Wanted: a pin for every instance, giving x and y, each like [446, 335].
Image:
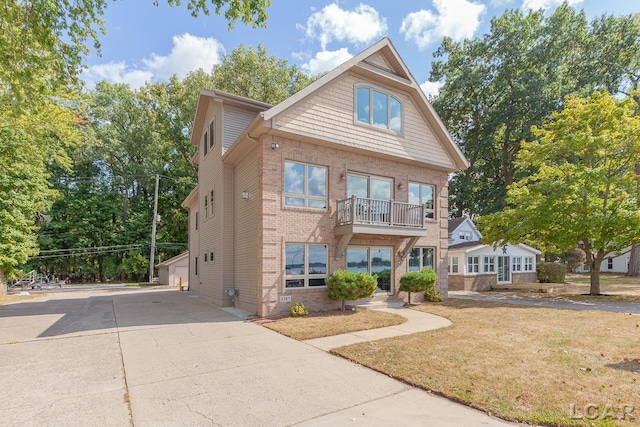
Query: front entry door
[504, 274]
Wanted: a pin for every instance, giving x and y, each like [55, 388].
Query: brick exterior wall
[530, 277]
[284, 224]
[477, 282]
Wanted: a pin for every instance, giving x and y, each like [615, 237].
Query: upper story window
[205, 143]
[378, 109]
[212, 139]
[464, 235]
[206, 207]
[422, 194]
[305, 185]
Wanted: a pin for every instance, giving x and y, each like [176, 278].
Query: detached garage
[171, 270]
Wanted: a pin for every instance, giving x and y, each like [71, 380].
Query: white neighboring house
[474, 266]
[619, 264]
[171, 270]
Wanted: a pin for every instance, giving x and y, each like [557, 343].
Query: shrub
[418, 281]
[346, 285]
[298, 309]
[551, 272]
[433, 295]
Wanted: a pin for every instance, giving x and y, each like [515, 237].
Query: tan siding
[236, 121]
[378, 59]
[246, 232]
[329, 114]
[194, 248]
[210, 177]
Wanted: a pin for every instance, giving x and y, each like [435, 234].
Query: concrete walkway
[149, 357]
[613, 307]
[417, 321]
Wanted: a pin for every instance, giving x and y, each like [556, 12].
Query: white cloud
[326, 60]
[431, 88]
[360, 26]
[458, 19]
[187, 54]
[115, 72]
[545, 4]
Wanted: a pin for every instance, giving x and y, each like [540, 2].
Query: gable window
[420, 258]
[489, 264]
[516, 263]
[305, 265]
[422, 194]
[453, 264]
[206, 143]
[528, 263]
[305, 185]
[464, 235]
[378, 109]
[206, 207]
[212, 139]
[473, 264]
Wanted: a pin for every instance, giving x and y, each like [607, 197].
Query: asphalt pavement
[159, 357]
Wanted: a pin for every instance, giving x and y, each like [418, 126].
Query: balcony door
[369, 187]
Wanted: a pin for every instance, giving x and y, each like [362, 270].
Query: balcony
[358, 215]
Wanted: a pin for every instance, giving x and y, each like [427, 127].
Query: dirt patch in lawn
[318, 325]
[10, 298]
[534, 365]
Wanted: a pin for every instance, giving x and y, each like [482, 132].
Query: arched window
[378, 109]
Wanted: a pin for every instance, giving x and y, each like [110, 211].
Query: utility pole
[153, 230]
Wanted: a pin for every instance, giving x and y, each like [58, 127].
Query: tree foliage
[500, 85]
[418, 281]
[346, 285]
[254, 74]
[583, 189]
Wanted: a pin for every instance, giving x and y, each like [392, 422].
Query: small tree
[346, 285]
[418, 281]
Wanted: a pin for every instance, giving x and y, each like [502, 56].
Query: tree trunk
[634, 261]
[3, 285]
[595, 274]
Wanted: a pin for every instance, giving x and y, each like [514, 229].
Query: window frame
[451, 264]
[528, 263]
[212, 140]
[206, 143]
[212, 195]
[307, 276]
[206, 207]
[305, 195]
[516, 264]
[473, 266]
[196, 220]
[389, 96]
[421, 258]
[488, 264]
[428, 213]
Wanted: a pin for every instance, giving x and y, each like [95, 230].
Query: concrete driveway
[612, 307]
[163, 358]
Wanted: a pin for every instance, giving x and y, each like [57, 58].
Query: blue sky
[148, 43]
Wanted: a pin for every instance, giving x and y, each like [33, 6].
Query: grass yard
[318, 325]
[526, 364]
[616, 287]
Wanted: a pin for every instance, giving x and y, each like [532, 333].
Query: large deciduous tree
[583, 189]
[496, 87]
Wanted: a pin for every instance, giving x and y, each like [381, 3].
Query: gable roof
[455, 222]
[362, 63]
[174, 259]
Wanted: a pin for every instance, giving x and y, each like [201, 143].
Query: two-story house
[348, 173]
[474, 266]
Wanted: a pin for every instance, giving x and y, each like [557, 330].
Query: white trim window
[473, 264]
[464, 235]
[305, 185]
[528, 263]
[423, 194]
[452, 265]
[378, 109]
[420, 258]
[212, 194]
[489, 264]
[206, 207]
[212, 140]
[305, 265]
[516, 264]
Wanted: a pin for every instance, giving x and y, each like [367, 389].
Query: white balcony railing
[359, 210]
